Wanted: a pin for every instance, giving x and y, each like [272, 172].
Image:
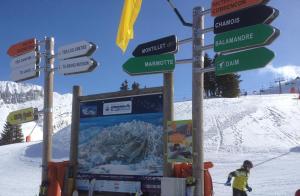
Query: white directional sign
[77, 65]
[82, 48]
[25, 59]
[24, 73]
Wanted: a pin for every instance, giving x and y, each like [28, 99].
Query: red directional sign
[221, 7]
[22, 47]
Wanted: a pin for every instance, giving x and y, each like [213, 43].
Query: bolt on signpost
[25, 66]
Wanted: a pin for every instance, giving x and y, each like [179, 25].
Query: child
[240, 182]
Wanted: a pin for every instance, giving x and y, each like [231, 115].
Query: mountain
[16, 96]
[13, 93]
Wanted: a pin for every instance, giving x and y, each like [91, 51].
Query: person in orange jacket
[240, 182]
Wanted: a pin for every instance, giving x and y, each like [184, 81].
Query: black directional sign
[159, 46]
[260, 14]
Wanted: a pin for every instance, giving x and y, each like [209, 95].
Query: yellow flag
[130, 12]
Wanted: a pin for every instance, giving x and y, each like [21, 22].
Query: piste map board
[120, 140]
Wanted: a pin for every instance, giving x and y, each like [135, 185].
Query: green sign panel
[241, 61]
[150, 64]
[247, 37]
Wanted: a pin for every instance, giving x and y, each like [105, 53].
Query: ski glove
[249, 188]
[228, 183]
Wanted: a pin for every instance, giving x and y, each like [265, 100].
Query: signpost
[82, 48]
[29, 58]
[22, 47]
[25, 72]
[77, 65]
[221, 7]
[159, 46]
[25, 65]
[247, 37]
[150, 64]
[22, 116]
[252, 35]
[260, 14]
[241, 61]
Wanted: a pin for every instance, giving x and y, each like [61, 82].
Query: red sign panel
[221, 7]
[22, 47]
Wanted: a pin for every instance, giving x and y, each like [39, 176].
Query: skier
[240, 182]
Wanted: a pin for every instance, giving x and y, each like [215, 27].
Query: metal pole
[197, 100]
[168, 94]
[48, 109]
[74, 139]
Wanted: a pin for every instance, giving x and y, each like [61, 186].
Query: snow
[61, 109]
[264, 129]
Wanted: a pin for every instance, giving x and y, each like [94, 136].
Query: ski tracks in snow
[224, 124]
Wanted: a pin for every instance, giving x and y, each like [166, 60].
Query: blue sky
[70, 21]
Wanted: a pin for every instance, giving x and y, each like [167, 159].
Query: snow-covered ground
[264, 129]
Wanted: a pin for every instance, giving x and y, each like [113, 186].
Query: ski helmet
[248, 164]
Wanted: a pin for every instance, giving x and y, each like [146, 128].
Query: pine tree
[6, 135]
[18, 135]
[124, 86]
[11, 134]
[228, 85]
[210, 84]
[135, 86]
[224, 86]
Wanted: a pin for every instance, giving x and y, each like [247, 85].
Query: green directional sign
[247, 37]
[241, 61]
[150, 64]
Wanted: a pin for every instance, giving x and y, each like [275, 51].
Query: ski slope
[264, 129]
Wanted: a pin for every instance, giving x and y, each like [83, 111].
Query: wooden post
[197, 96]
[48, 112]
[74, 139]
[168, 92]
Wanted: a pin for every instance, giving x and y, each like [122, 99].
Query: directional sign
[29, 58]
[160, 46]
[221, 7]
[82, 48]
[247, 17]
[241, 61]
[22, 47]
[25, 72]
[22, 116]
[150, 64]
[247, 37]
[77, 65]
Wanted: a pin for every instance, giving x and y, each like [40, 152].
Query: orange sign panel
[22, 47]
[221, 7]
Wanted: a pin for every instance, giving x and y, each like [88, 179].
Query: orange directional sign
[221, 7]
[22, 47]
